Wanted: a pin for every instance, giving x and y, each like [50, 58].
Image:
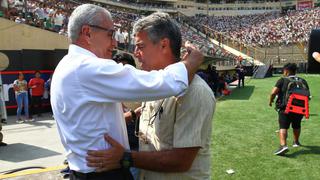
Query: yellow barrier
[32, 171]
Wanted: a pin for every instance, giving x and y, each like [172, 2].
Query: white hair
[85, 14]
[158, 26]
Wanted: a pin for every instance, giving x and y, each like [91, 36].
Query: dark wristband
[126, 161]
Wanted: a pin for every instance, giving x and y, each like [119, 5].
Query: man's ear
[165, 44]
[85, 32]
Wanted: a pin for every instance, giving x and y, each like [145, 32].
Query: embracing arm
[112, 82]
[174, 160]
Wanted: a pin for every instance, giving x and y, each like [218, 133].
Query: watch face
[126, 163]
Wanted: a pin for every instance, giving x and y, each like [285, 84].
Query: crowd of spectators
[204, 44]
[265, 29]
[53, 15]
[238, 1]
[47, 14]
[137, 3]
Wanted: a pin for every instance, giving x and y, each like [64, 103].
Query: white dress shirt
[86, 92]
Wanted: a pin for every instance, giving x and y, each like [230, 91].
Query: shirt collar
[75, 49]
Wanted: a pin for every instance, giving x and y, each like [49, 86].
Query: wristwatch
[126, 161]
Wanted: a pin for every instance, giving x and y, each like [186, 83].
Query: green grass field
[244, 136]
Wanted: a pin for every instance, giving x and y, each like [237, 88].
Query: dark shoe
[65, 162]
[66, 176]
[3, 144]
[282, 150]
[296, 144]
[65, 170]
[4, 121]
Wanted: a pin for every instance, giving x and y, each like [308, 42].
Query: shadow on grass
[306, 150]
[240, 93]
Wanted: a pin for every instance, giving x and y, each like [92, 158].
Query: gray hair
[158, 26]
[85, 14]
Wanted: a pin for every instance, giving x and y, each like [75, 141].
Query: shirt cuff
[180, 73]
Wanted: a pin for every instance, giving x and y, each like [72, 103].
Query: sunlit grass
[244, 136]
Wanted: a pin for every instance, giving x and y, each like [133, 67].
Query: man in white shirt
[88, 87]
[18, 4]
[58, 21]
[126, 38]
[121, 40]
[175, 132]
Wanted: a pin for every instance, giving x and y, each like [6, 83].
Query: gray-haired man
[88, 87]
[175, 133]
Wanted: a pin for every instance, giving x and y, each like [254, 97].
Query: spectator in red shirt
[37, 89]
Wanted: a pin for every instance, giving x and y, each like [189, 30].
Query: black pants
[36, 105]
[241, 78]
[117, 174]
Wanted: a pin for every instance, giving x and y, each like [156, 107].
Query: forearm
[162, 161]
[271, 99]
[191, 71]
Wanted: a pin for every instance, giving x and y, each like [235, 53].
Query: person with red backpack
[284, 87]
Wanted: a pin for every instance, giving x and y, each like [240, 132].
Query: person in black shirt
[289, 71]
[241, 73]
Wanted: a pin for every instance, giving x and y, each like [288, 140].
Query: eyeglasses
[113, 35]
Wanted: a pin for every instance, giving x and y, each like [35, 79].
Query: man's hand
[316, 56]
[138, 111]
[192, 59]
[194, 56]
[270, 103]
[273, 94]
[105, 160]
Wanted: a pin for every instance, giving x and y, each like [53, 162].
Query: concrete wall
[14, 36]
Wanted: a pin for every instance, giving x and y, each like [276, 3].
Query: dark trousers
[117, 174]
[241, 78]
[36, 105]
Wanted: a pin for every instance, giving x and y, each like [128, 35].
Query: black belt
[121, 174]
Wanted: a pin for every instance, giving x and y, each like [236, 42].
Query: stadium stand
[264, 29]
[259, 31]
